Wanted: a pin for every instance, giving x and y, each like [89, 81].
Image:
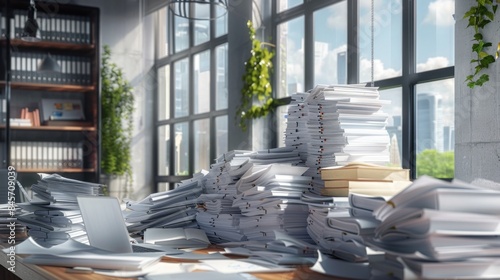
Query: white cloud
[433, 63]
[379, 72]
[440, 13]
[338, 19]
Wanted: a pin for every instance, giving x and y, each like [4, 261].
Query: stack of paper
[9, 225]
[344, 123]
[53, 215]
[296, 134]
[364, 178]
[169, 209]
[340, 234]
[269, 200]
[442, 229]
[217, 216]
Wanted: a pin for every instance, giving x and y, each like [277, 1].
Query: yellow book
[344, 188]
[365, 171]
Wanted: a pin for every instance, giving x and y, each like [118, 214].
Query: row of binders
[47, 155]
[53, 27]
[75, 70]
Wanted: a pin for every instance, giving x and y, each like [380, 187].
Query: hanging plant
[256, 94]
[478, 17]
[117, 108]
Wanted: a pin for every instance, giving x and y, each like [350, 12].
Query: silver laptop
[106, 227]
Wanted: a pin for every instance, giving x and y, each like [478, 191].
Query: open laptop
[106, 227]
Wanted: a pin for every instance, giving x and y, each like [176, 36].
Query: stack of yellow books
[364, 178]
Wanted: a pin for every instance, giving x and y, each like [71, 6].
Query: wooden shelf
[54, 128]
[55, 170]
[48, 45]
[50, 87]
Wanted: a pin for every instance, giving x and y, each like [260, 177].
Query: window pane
[394, 129]
[221, 77]
[221, 22]
[387, 39]
[163, 187]
[201, 82]
[221, 145]
[202, 145]
[435, 34]
[164, 92]
[290, 68]
[287, 4]
[435, 128]
[330, 45]
[162, 34]
[181, 164]
[201, 30]
[181, 33]
[181, 84]
[163, 150]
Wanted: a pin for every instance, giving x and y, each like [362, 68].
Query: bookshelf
[56, 142]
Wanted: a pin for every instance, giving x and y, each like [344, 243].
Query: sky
[434, 45]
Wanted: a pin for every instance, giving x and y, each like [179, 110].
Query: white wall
[129, 33]
[477, 111]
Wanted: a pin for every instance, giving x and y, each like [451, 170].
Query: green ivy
[117, 108]
[256, 94]
[478, 17]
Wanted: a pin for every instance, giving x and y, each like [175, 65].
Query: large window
[192, 108]
[411, 50]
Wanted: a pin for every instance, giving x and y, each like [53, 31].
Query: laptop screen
[104, 223]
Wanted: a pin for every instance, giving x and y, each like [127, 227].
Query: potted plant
[117, 108]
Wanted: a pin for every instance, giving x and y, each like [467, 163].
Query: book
[365, 171]
[390, 190]
[361, 184]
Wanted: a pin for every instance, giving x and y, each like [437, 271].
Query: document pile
[442, 229]
[269, 199]
[217, 216]
[169, 209]
[10, 228]
[341, 231]
[54, 215]
[344, 123]
[364, 178]
[223, 217]
[282, 250]
[296, 134]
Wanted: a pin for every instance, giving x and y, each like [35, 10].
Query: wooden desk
[34, 272]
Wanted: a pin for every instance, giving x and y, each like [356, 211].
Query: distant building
[342, 67]
[429, 123]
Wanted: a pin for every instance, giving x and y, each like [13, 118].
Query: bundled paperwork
[53, 215]
[442, 229]
[169, 209]
[335, 125]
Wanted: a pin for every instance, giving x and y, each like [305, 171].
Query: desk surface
[30, 272]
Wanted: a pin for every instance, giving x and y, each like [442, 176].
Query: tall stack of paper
[344, 123]
[364, 178]
[296, 134]
[443, 229]
[169, 209]
[53, 215]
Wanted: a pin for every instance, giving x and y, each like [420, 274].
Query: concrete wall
[477, 125]
[129, 33]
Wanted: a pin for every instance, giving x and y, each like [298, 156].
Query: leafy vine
[256, 94]
[478, 17]
[117, 107]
